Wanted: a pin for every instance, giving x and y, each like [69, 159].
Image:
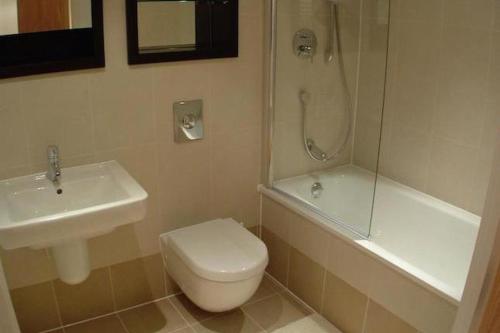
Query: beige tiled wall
[356, 292]
[441, 114]
[125, 113]
[371, 82]
[326, 115]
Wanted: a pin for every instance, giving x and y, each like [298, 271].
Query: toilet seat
[220, 250]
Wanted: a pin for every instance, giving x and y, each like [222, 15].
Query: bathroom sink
[88, 201]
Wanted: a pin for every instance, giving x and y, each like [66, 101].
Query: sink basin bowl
[93, 200]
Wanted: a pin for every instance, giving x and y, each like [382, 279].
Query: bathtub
[427, 239]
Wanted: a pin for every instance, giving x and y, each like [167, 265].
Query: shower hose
[310, 146]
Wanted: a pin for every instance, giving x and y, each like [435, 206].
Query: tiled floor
[271, 309]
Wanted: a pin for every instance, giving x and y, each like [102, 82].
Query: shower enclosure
[381, 128]
[328, 78]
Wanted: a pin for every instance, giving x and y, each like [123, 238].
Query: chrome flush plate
[188, 121]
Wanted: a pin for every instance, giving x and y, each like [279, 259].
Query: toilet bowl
[218, 264]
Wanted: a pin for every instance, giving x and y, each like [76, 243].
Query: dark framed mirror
[50, 36]
[173, 30]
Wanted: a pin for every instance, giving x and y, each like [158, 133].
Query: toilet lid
[219, 250]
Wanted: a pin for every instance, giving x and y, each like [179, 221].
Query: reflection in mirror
[166, 25]
[27, 16]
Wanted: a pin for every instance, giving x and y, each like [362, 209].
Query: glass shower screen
[329, 67]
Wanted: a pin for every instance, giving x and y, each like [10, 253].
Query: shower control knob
[304, 43]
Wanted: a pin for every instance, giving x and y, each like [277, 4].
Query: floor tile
[232, 322]
[266, 289]
[310, 324]
[36, 308]
[158, 317]
[189, 311]
[85, 300]
[185, 330]
[110, 324]
[276, 311]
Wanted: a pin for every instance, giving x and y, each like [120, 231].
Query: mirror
[50, 36]
[166, 25]
[28, 16]
[170, 30]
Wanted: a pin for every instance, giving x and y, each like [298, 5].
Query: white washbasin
[95, 199]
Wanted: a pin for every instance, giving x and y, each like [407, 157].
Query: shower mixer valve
[305, 44]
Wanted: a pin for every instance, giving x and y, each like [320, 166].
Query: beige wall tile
[452, 172]
[185, 168]
[136, 288]
[349, 264]
[440, 93]
[102, 325]
[429, 10]
[417, 306]
[279, 256]
[108, 249]
[469, 13]
[406, 157]
[36, 308]
[343, 305]
[379, 320]
[120, 121]
[160, 317]
[86, 300]
[276, 218]
[497, 16]
[275, 312]
[308, 238]
[306, 279]
[13, 139]
[48, 103]
[234, 193]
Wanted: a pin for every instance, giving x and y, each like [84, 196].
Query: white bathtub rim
[416, 275]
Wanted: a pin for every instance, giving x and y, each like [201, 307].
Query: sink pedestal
[72, 261]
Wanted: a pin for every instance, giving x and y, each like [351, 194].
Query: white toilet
[218, 264]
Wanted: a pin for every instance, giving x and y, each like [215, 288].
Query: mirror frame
[57, 50]
[135, 57]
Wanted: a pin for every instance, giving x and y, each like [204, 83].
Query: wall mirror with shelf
[50, 36]
[173, 30]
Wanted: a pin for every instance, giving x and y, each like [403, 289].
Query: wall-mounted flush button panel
[188, 121]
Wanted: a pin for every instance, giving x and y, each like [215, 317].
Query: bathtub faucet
[316, 190]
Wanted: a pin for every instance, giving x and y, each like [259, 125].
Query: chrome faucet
[54, 171]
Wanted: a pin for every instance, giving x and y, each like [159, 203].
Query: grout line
[58, 308]
[90, 319]
[295, 297]
[116, 312]
[181, 315]
[122, 323]
[115, 307]
[323, 291]
[365, 316]
[252, 319]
